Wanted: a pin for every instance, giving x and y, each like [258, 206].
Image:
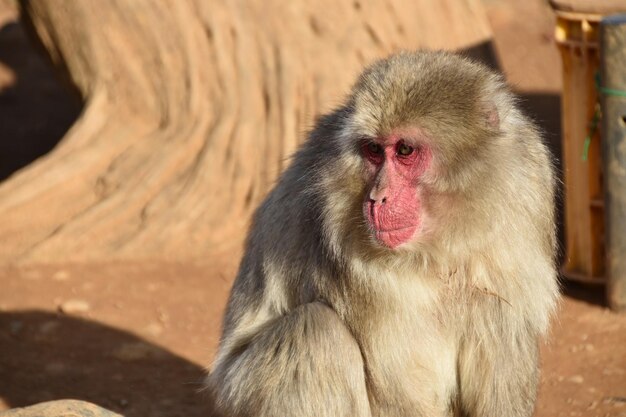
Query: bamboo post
[612, 90]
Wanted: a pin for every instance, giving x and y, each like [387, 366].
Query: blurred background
[136, 139]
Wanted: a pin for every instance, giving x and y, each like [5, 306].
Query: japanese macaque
[403, 266]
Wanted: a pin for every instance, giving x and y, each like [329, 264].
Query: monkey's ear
[492, 117]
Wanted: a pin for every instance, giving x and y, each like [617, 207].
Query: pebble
[61, 275]
[55, 368]
[577, 379]
[48, 327]
[136, 351]
[15, 326]
[163, 316]
[88, 286]
[616, 401]
[68, 408]
[74, 306]
[154, 329]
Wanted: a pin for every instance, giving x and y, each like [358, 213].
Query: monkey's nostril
[384, 200]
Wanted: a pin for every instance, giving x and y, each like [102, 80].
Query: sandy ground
[136, 337]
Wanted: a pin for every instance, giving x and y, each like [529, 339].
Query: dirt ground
[135, 337]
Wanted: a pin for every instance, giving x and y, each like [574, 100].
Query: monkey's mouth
[398, 229]
[389, 225]
[392, 238]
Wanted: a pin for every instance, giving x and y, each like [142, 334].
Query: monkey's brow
[365, 137]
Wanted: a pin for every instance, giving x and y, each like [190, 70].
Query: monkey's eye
[405, 150]
[374, 148]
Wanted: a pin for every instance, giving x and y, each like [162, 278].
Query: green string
[593, 125]
[593, 128]
[607, 91]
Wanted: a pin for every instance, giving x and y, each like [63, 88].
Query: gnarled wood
[191, 109]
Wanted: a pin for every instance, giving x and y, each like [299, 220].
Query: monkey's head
[421, 132]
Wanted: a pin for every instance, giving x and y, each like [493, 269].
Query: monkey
[404, 263]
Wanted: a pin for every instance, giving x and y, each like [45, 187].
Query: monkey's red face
[392, 204]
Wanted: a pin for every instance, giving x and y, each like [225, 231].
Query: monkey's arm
[305, 363]
[498, 370]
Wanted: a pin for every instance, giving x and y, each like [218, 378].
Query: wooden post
[613, 101]
[576, 35]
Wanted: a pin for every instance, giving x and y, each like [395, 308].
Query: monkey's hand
[305, 363]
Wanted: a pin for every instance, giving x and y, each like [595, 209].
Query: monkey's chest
[410, 364]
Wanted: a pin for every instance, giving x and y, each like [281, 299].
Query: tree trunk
[191, 110]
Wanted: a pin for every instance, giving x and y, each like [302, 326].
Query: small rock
[154, 329]
[88, 286]
[616, 401]
[66, 408]
[163, 316]
[612, 371]
[48, 327]
[61, 275]
[74, 306]
[577, 379]
[136, 351]
[166, 402]
[55, 368]
[15, 326]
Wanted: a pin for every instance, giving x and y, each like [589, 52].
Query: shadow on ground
[46, 356]
[594, 294]
[36, 110]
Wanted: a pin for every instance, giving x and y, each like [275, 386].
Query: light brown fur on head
[485, 150]
[324, 320]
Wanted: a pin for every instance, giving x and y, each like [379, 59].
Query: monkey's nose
[378, 195]
[377, 198]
